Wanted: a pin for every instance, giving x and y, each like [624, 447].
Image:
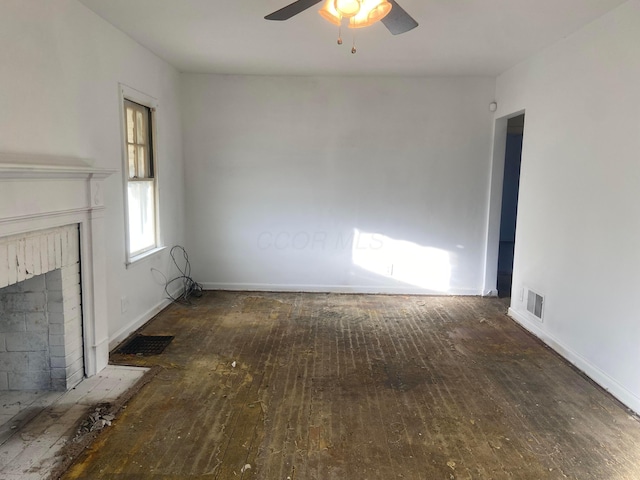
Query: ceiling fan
[392, 15]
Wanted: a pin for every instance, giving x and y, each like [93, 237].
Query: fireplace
[41, 317]
[53, 324]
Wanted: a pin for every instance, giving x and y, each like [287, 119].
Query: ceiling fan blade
[290, 10]
[398, 20]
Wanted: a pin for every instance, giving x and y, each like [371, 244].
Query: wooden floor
[315, 386]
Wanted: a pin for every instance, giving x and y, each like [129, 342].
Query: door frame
[490, 286]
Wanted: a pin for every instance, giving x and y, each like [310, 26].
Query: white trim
[141, 256]
[14, 166]
[137, 96]
[366, 289]
[596, 374]
[38, 216]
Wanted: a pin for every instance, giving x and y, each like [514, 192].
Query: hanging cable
[189, 286]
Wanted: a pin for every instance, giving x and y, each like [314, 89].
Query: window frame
[140, 98]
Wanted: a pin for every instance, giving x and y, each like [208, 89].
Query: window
[140, 178]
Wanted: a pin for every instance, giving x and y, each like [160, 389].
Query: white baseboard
[383, 290]
[124, 332]
[593, 372]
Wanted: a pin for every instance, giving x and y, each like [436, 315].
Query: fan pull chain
[353, 47]
[340, 35]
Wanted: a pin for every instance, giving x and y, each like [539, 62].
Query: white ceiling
[455, 37]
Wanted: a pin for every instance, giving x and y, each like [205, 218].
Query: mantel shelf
[13, 166]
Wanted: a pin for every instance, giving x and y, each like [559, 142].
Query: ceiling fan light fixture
[370, 12]
[348, 8]
[362, 12]
[330, 13]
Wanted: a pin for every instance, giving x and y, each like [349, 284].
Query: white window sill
[141, 256]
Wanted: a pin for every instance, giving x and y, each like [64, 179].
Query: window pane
[132, 160]
[141, 128]
[142, 162]
[130, 125]
[141, 217]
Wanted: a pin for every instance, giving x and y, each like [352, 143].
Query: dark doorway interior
[510, 188]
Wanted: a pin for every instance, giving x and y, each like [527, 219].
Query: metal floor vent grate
[146, 345]
[535, 303]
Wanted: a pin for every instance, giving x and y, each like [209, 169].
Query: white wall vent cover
[535, 303]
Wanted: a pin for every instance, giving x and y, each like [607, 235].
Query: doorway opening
[509, 204]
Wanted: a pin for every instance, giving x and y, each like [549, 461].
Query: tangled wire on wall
[189, 288]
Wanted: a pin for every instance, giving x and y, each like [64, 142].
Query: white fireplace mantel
[39, 192]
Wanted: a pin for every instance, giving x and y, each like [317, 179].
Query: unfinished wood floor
[360, 387]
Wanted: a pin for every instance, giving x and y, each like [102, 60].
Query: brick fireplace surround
[40, 317]
[53, 323]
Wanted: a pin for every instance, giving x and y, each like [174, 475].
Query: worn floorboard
[360, 387]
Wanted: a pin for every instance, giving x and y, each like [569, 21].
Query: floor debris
[95, 421]
[359, 387]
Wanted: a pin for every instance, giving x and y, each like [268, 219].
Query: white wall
[60, 66]
[282, 170]
[578, 232]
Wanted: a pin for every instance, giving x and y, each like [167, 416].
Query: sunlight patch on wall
[408, 262]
